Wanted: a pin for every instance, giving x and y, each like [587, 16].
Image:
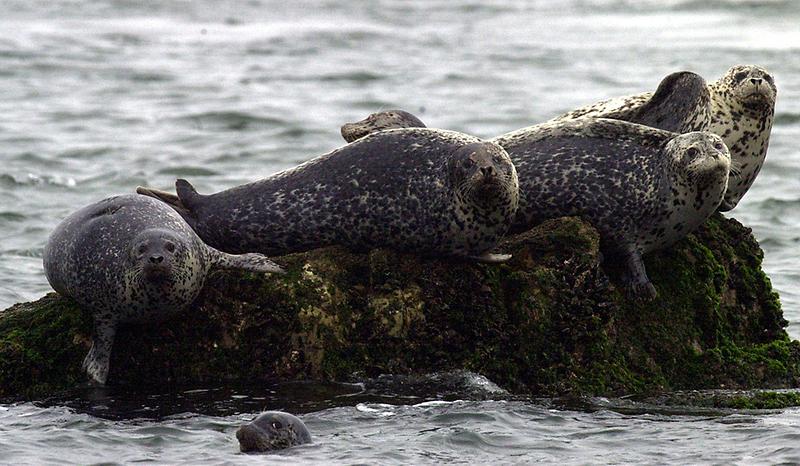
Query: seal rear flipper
[674, 102]
[165, 197]
[251, 261]
[97, 362]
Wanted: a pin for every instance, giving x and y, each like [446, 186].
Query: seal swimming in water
[131, 258]
[429, 191]
[741, 109]
[272, 430]
[641, 187]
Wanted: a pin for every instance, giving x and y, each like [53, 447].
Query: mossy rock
[548, 322]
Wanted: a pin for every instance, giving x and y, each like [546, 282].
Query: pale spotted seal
[422, 190]
[641, 187]
[388, 119]
[741, 107]
[272, 430]
[131, 259]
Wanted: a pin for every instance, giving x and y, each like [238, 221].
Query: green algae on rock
[548, 322]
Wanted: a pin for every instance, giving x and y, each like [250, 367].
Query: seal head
[379, 121]
[272, 430]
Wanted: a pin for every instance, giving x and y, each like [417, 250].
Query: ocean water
[98, 97]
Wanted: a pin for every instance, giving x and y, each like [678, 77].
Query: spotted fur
[641, 187]
[740, 107]
[131, 259]
[389, 119]
[272, 430]
[424, 190]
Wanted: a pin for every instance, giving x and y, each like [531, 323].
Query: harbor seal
[641, 187]
[272, 430]
[741, 109]
[388, 119]
[131, 258]
[422, 190]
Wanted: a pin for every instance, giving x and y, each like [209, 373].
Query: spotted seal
[388, 119]
[131, 258]
[272, 430]
[423, 190]
[740, 107]
[641, 187]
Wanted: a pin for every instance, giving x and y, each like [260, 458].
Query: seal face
[424, 190]
[740, 107]
[378, 121]
[272, 430]
[131, 259]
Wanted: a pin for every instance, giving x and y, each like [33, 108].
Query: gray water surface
[97, 97]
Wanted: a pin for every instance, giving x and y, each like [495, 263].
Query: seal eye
[692, 152]
[468, 163]
[276, 425]
[141, 249]
[718, 146]
[738, 77]
[768, 78]
[170, 247]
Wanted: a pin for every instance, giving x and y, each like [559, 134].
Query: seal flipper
[489, 258]
[165, 197]
[251, 261]
[677, 98]
[97, 362]
[637, 284]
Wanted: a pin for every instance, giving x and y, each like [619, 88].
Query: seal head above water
[131, 259]
[272, 430]
[378, 121]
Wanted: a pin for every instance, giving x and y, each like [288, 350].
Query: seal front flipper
[675, 106]
[97, 362]
[379, 121]
[250, 261]
[489, 258]
[637, 284]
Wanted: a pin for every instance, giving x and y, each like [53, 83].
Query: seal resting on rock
[272, 430]
[429, 191]
[389, 119]
[131, 259]
[740, 108]
[641, 187]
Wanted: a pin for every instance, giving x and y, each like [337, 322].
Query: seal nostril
[755, 80]
[487, 171]
[156, 259]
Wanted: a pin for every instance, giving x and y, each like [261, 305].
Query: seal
[429, 191]
[128, 259]
[641, 187]
[740, 108]
[272, 430]
[389, 119]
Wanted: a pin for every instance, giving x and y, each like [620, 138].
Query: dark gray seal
[740, 108]
[388, 119]
[272, 430]
[131, 259]
[641, 187]
[422, 190]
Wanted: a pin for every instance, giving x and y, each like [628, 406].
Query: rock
[549, 322]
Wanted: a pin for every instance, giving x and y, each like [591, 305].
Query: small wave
[788, 119]
[231, 121]
[187, 171]
[12, 217]
[354, 76]
[32, 179]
